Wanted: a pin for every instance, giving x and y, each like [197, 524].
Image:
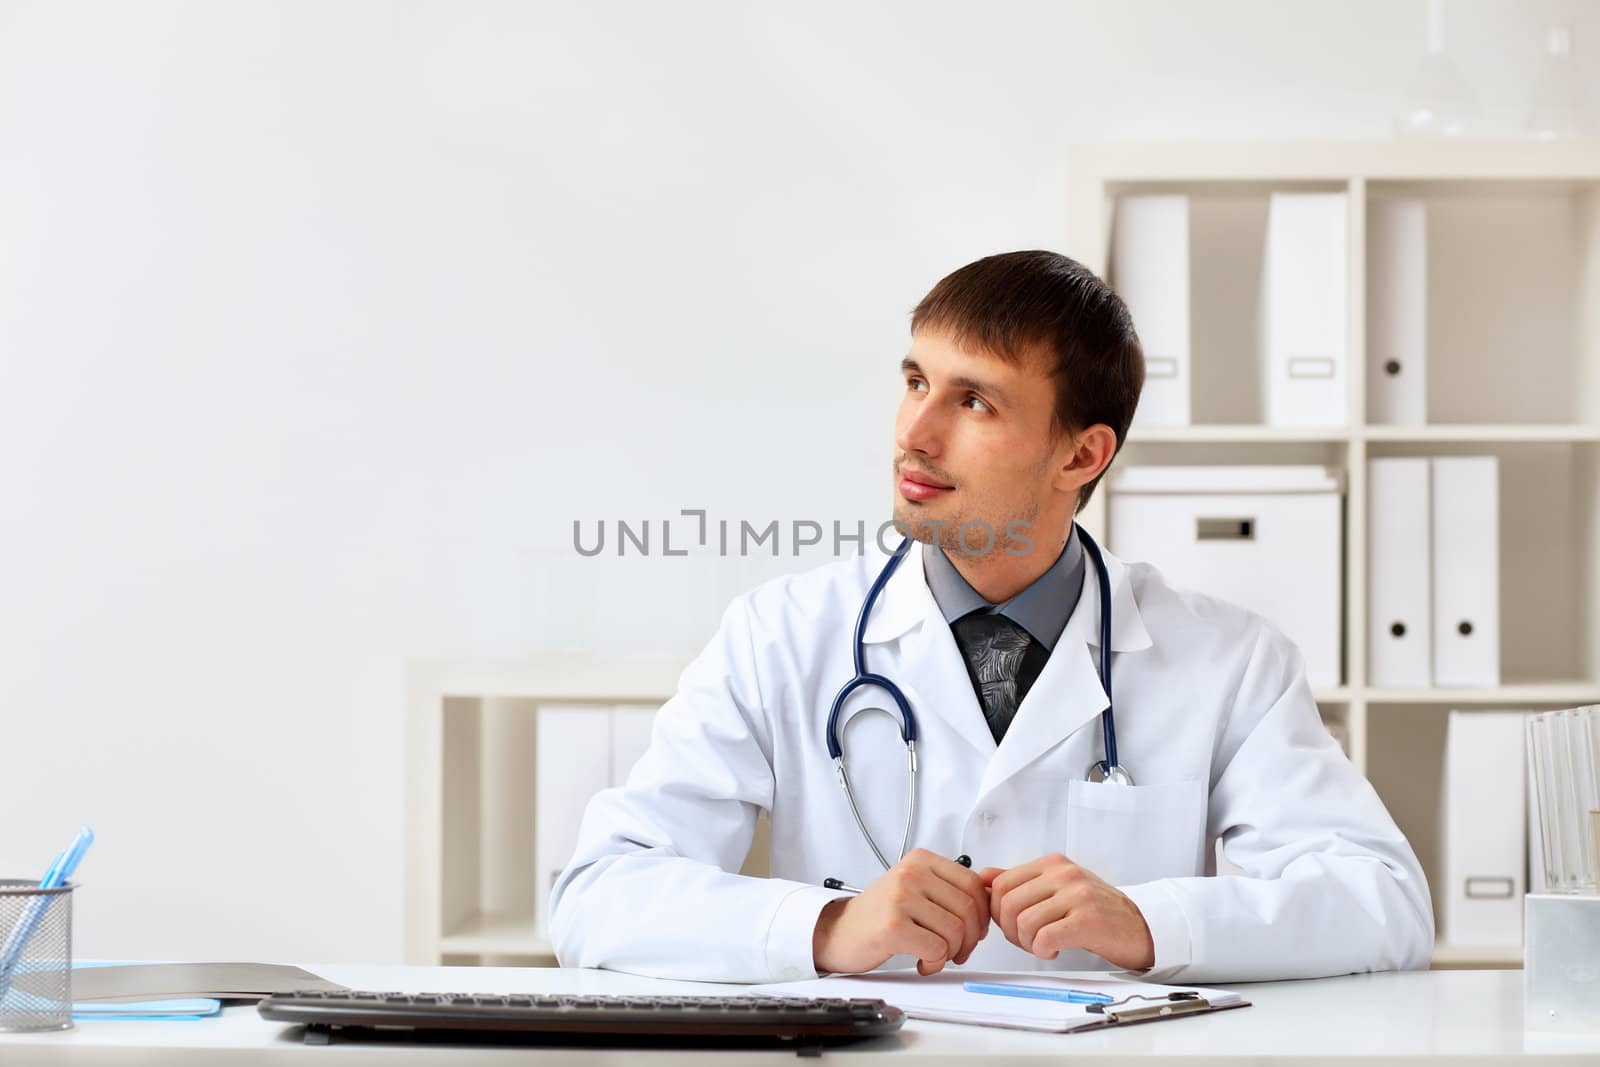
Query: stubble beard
[966, 535]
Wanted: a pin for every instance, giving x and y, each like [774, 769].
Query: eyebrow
[960, 381]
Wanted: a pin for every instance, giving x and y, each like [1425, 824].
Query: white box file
[1484, 825]
[1303, 321]
[1466, 570]
[1266, 538]
[1150, 271]
[573, 763]
[1397, 313]
[1399, 573]
[630, 736]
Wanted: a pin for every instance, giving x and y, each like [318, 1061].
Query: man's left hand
[1052, 904]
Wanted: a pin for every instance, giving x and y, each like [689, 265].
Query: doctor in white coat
[1021, 380]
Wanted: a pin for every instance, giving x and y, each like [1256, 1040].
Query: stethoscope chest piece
[1099, 772]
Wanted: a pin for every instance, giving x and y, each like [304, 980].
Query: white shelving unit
[1513, 371]
[471, 794]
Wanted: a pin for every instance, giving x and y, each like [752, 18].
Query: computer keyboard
[682, 1020]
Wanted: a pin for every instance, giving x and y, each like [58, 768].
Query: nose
[919, 427]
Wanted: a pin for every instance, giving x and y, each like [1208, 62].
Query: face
[974, 445]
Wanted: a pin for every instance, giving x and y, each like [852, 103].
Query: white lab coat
[1214, 720]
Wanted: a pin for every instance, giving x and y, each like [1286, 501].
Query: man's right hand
[926, 906]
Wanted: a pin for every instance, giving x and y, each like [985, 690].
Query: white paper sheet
[941, 998]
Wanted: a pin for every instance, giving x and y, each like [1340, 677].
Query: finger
[1009, 908]
[949, 927]
[1010, 879]
[974, 912]
[915, 889]
[970, 884]
[1055, 938]
[989, 874]
[912, 937]
[963, 878]
[1037, 916]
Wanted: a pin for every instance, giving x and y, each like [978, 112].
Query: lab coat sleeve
[1331, 887]
[652, 887]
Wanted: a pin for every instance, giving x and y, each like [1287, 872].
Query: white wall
[319, 323]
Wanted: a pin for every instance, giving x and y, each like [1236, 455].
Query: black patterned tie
[1003, 660]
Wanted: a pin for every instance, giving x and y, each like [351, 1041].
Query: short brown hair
[1017, 303]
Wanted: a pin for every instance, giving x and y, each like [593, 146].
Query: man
[1021, 381]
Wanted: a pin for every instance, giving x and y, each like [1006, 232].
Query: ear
[1090, 451]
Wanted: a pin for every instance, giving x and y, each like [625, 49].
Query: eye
[974, 398]
[913, 382]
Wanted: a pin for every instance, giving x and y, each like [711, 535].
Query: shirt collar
[1042, 609]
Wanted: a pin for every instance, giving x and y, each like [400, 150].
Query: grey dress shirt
[1040, 611]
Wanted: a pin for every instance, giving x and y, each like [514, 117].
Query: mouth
[920, 487]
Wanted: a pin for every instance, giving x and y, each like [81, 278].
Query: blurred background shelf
[1558, 693]
[1447, 956]
[1489, 434]
[502, 934]
[1512, 308]
[1236, 434]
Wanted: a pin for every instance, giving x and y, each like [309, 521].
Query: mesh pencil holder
[35, 956]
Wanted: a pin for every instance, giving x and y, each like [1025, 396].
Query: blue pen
[54, 878]
[1038, 992]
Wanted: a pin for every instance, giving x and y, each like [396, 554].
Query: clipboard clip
[1162, 1007]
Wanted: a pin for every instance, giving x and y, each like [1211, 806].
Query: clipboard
[941, 998]
[1174, 1005]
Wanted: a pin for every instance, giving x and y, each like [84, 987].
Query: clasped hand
[935, 909]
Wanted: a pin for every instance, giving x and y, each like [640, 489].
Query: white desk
[1414, 1018]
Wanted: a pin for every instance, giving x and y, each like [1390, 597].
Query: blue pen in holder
[36, 956]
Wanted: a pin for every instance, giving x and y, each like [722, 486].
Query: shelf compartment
[1549, 533]
[1405, 763]
[1227, 253]
[1513, 274]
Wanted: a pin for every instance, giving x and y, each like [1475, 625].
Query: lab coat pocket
[1128, 834]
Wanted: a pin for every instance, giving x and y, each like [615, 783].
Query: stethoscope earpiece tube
[1111, 768]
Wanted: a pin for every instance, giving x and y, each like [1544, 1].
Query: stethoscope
[1106, 770]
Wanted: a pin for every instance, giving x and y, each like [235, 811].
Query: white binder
[1397, 313]
[1304, 283]
[1466, 570]
[1484, 824]
[630, 736]
[1399, 573]
[1150, 271]
[572, 764]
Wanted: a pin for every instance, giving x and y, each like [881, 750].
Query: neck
[999, 576]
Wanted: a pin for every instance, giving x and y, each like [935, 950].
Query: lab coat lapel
[1068, 694]
[910, 632]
